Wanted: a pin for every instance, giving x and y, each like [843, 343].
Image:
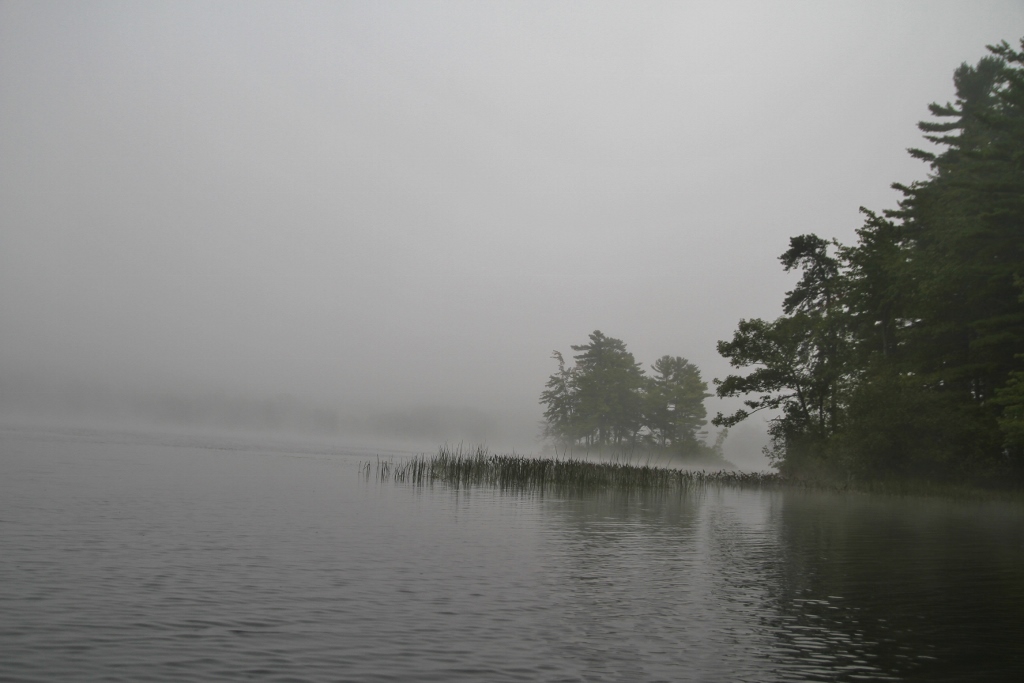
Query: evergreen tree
[606, 400]
[610, 384]
[905, 352]
[961, 237]
[561, 399]
[675, 403]
[799, 360]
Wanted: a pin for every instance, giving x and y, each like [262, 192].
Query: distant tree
[675, 403]
[562, 400]
[605, 399]
[610, 383]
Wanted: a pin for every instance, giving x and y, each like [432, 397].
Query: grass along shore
[458, 468]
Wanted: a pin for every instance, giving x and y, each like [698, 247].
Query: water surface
[145, 557]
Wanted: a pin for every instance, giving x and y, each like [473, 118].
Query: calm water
[155, 558]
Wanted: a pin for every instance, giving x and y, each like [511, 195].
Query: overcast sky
[410, 203]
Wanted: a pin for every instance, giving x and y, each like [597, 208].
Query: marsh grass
[458, 468]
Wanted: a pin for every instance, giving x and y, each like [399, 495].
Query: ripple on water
[146, 560]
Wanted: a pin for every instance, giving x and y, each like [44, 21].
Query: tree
[962, 237]
[798, 359]
[675, 403]
[609, 383]
[964, 229]
[605, 399]
[877, 288]
[561, 399]
[904, 353]
[1010, 398]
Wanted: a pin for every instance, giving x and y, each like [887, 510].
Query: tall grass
[457, 468]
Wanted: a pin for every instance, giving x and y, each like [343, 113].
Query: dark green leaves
[905, 351]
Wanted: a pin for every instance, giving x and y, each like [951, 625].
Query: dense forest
[605, 400]
[903, 354]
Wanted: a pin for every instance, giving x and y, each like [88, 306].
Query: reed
[458, 468]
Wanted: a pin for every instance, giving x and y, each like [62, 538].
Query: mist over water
[246, 247]
[393, 213]
[420, 427]
[152, 558]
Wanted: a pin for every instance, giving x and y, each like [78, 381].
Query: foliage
[799, 356]
[606, 400]
[674, 406]
[608, 391]
[904, 353]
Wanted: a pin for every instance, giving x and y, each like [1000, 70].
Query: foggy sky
[378, 206]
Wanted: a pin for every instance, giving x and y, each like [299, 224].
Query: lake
[145, 557]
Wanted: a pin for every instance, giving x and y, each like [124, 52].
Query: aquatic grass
[458, 468]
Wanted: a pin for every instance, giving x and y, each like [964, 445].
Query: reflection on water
[930, 589]
[158, 559]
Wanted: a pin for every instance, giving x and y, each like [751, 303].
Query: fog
[377, 220]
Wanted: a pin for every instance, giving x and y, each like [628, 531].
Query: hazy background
[376, 220]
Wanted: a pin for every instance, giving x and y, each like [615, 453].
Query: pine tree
[606, 400]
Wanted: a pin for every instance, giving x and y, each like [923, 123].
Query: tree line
[606, 400]
[903, 354]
